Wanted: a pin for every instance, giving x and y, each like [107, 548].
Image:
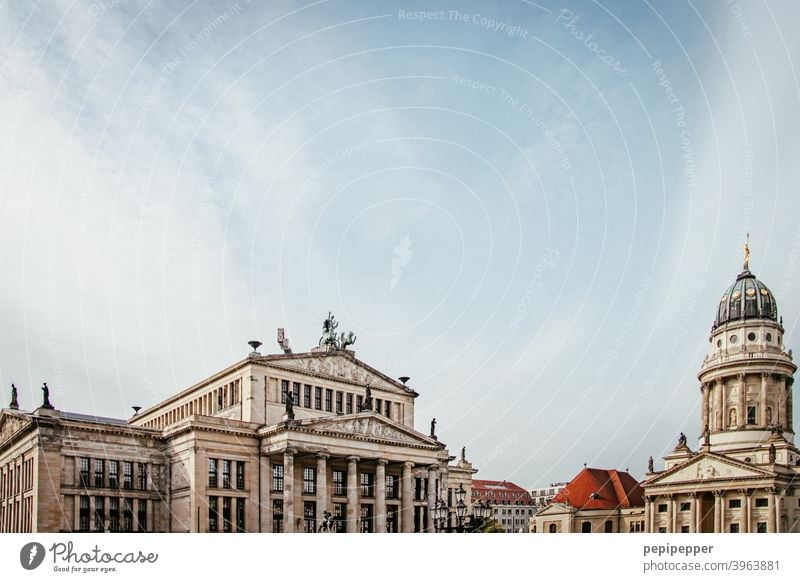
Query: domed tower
[746, 379]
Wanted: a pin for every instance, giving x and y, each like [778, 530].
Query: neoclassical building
[290, 442]
[744, 477]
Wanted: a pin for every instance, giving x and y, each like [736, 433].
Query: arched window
[586, 527]
[553, 528]
[609, 527]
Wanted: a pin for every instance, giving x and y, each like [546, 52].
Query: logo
[31, 555]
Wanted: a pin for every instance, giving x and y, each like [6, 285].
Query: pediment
[10, 424]
[338, 366]
[371, 426]
[706, 467]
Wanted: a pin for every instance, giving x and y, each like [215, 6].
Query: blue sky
[529, 208]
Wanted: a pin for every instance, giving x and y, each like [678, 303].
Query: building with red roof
[595, 501]
[512, 505]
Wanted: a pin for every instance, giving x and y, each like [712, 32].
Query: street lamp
[440, 515]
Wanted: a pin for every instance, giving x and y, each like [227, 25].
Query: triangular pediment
[341, 365]
[370, 426]
[10, 424]
[708, 467]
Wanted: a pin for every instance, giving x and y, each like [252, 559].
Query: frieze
[368, 427]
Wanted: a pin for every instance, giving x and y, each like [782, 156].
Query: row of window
[338, 481]
[16, 516]
[732, 504]
[228, 520]
[113, 514]
[223, 467]
[344, 401]
[16, 477]
[761, 527]
[93, 472]
[218, 399]
[338, 516]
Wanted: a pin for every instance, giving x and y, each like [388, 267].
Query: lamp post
[464, 523]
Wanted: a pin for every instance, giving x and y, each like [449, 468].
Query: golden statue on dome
[747, 253]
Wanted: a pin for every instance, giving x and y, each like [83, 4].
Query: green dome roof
[747, 298]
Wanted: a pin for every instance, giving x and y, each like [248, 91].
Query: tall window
[127, 515]
[328, 400]
[240, 514]
[142, 476]
[339, 510]
[99, 473]
[99, 513]
[226, 514]
[339, 402]
[277, 477]
[212, 472]
[388, 408]
[226, 474]
[141, 515]
[378, 405]
[284, 390]
[359, 403]
[83, 465]
[213, 514]
[349, 404]
[392, 512]
[127, 475]
[113, 514]
[366, 519]
[113, 474]
[751, 415]
[240, 474]
[307, 395]
[277, 516]
[310, 516]
[296, 393]
[338, 482]
[761, 527]
[309, 480]
[608, 526]
[420, 488]
[391, 486]
[318, 398]
[84, 512]
[366, 484]
[734, 528]
[586, 527]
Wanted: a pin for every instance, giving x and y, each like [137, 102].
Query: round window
[751, 336]
[769, 337]
[719, 343]
[733, 339]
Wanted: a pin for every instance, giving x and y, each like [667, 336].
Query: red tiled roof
[499, 492]
[601, 489]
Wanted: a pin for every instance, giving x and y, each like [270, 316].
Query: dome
[747, 298]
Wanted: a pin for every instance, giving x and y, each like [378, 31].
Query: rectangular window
[240, 514]
[213, 514]
[83, 466]
[684, 529]
[338, 482]
[310, 516]
[339, 511]
[762, 502]
[662, 508]
[328, 400]
[84, 511]
[761, 527]
[277, 477]
[296, 393]
[420, 488]
[127, 515]
[226, 514]
[99, 514]
[127, 475]
[113, 474]
[142, 476]
[318, 398]
[240, 474]
[392, 512]
[662, 530]
[309, 480]
[366, 484]
[99, 473]
[686, 506]
[378, 405]
[141, 515]
[113, 514]
[391, 486]
[284, 390]
[339, 402]
[359, 403]
[734, 503]
[212, 472]
[307, 395]
[751, 415]
[388, 409]
[349, 404]
[226, 474]
[734, 528]
[277, 516]
[366, 518]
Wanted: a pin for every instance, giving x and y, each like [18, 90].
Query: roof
[601, 489]
[94, 419]
[500, 492]
[747, 298]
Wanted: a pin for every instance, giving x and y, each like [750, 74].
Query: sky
[530, 208]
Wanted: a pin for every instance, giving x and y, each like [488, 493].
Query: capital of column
[433, 468]
[740, 376]
[408, 464]
[765, 376]
[718, 493]
[692, 494]
[290, 451]
[353, 459]
[324, 456]
[383, 462]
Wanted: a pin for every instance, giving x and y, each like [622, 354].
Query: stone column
[670, 514]
[264, 501]
[789, 401]
[771, 526]
[380, 496]
[692, 512]
[76, 521]
[780, 401]
[718, 520]
[698, 514]
[763, 399]
[704, 420]
[718, 424]
[353, 497]
[777, 497]
[288, 491]
[749, 514]
[92, 510]
[648, 508]
[323, 498]
[742, 414]
[674, 523]
[432, 496]
[743, 526]
[653, 504]
[724, 406]
[407, 493]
